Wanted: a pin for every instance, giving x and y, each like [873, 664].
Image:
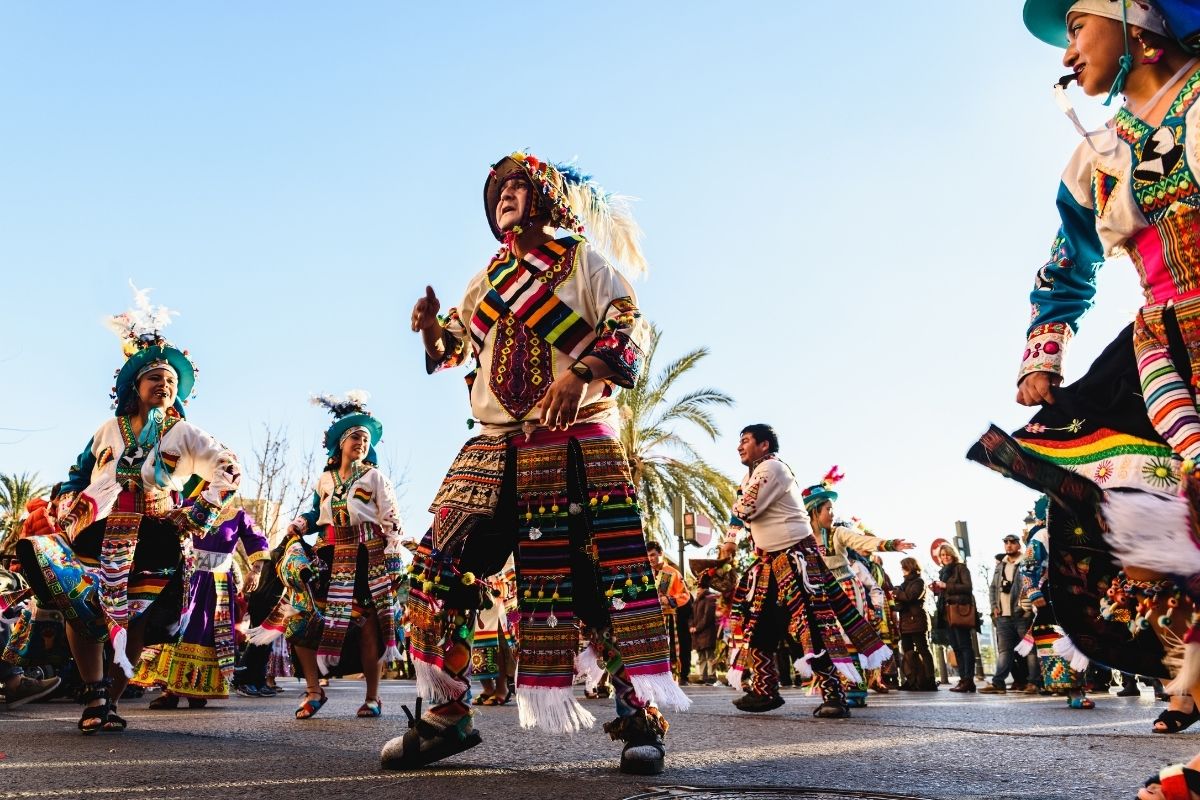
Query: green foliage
[664, 463]
[15, 492]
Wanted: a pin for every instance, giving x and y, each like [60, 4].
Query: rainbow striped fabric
[516, 287]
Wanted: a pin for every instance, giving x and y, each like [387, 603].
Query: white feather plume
[359, 396]
[144, 318]
[609, 224]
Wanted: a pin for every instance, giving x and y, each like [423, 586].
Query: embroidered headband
[1137, 12]
[153, 365]
[355, 429]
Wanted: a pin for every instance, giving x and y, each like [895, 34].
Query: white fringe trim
[391, 654]
[876, 659]
[848, 670]
[661, 689]
[552, 709]
[1025, 646]
[326, 663]
[261, 635]
[734, 678]
[803, 667]
[119, 641]
[1189, 673]
[1063, 646]
[587, 664]
[1151, 531]
[434, 684]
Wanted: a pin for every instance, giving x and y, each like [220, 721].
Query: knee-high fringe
[803, 666]
[552, 709]
[434, 684]
[661, 689]
[846, 667]
[1188, 674]
[392, 653]
[1025, 646]
[734, 677]
[587, 664]
[1063, 646]
[120, 638]
[876, 659]
[1151, 531]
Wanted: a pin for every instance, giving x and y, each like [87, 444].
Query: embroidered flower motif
[1104, 471]
[1158, 472]
[1035, 427]
[535, 533]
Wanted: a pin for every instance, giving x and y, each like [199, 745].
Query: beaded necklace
[338, 500]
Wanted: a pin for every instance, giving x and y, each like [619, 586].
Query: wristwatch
[582, 371]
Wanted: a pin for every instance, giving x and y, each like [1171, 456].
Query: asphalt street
[943, 746]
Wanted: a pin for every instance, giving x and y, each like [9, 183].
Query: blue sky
[846, 206]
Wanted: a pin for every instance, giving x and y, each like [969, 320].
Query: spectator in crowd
[1010, 620]
[704, 629]
[953, 587]
[917, 662]
[676, 601]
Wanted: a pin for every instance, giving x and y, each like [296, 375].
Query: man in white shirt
[788, 589]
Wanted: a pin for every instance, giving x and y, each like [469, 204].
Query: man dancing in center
[554, 330]
[788, 589]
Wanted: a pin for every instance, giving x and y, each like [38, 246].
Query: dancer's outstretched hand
[1034, 388]
[424, 314]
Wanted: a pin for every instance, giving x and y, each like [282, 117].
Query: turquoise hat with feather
[818, 493]
[145, 348]
[349, 413]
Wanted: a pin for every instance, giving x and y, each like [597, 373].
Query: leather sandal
[94, 691]
[115, 722]
[311, 704]
[1176, 721]
[373, 707]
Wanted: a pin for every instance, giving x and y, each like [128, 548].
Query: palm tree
[15, 492]
[664, 464]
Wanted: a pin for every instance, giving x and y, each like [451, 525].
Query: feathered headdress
[575, 202]
[817, 494]
[145, 348]
[355, 402]
[350, 412]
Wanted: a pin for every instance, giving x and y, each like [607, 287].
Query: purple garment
[202, 608]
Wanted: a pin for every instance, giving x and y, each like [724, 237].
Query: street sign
[697, 529]
[933, 549]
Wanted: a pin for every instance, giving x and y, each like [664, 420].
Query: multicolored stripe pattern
[1169, 401]
[517, 287]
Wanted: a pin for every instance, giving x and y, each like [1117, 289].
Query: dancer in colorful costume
[789, 590]
[1063, 667]
[554, 330]
[358, 564]
[1116, 449]
[836, 540]
[120, 558]
[493, 657]
[200, 666]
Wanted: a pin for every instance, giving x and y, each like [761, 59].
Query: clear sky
[845, 202]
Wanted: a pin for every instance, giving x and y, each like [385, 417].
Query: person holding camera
[1010, 619]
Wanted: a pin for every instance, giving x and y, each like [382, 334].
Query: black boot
[642, 733]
